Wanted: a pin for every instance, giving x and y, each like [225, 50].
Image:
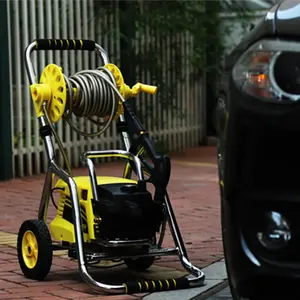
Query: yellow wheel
[34, 247]
[30, 250]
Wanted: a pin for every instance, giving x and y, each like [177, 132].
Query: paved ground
[222, 295]
[195, 196]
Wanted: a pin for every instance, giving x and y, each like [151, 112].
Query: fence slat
[65, 66]
[16, 50]
[11, 81]
[26, 99]
[36, 140]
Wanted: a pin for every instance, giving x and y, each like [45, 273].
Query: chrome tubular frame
[86, 158]
[199, 276]
[53, 168]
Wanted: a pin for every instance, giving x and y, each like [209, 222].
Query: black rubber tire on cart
[139, 264]
[34, 247]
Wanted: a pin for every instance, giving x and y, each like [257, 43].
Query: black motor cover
[127, 211]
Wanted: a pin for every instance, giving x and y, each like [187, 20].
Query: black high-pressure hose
[51, 195]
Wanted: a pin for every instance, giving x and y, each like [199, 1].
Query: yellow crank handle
[148, 89]
[140, 87]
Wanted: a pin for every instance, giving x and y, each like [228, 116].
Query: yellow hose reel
[52, 89]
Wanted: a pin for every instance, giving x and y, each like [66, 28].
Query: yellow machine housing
[61, 227]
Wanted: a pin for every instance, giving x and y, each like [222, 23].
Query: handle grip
[147, 286]
[64, 44]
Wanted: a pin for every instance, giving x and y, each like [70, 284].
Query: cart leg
[199, 275]
[42, 214]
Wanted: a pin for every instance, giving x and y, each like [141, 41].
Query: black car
[258, 122]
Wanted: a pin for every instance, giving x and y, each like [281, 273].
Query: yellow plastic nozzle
[149, 89]
[140, 87]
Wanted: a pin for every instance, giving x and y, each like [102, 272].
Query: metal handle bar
[65, 44]
[86, 157]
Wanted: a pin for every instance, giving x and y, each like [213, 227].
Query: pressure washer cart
[259, 158]
[100, 218]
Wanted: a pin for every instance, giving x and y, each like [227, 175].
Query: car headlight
[270, 70]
